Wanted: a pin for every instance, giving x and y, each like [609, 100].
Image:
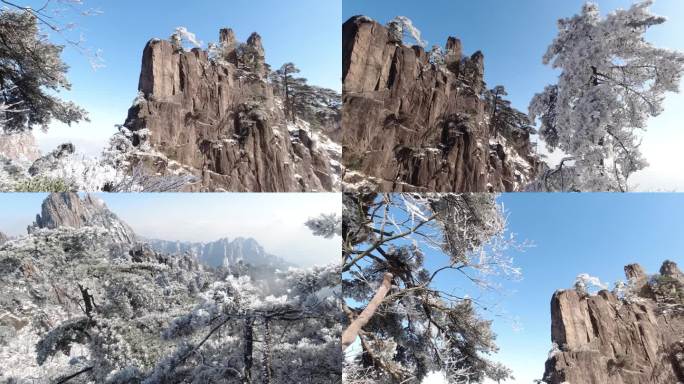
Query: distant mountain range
[223, 252]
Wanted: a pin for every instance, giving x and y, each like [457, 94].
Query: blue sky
[588, 233]
[513, 35]
[306, 32]
[276, 221]
[596, 234]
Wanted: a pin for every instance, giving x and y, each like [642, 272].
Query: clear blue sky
[276, 221]
[514, 35]
[306, 32]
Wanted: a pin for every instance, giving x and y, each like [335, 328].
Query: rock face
[223, 252]
[69, 210]
[19, 147]
[3, 238]
[604, 339]
[214, 114]
[411, 125]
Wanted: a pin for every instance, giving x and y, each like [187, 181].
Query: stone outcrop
[19, 146]
[69, 210]
[636, 339]
[412, 125]
[213, 113]
[3, 238]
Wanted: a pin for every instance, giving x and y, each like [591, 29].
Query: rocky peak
[453, 53]
[229, 44]
[70, 210]
[670, 268]
[411, 124]
[606, 339]
[214, 115]
[254, 41]
[635, 272]
[3, 238]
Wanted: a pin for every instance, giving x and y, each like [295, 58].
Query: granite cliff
[631, 338]
[69, 210]
[413, 124]
[214, 114]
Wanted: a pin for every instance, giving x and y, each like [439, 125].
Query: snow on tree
[401, 29]
[31, 72]
[182, 36]
[59, 19]
[407, 327]
[436, 56]
[90, 308]
[286, 333]
[325, 225]
[586, 284]
[612, 80]
[499, 372]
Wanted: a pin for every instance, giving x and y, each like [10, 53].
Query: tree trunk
[247, 349]
[288, 104]
[266, 363]
[350, 334]
[88, 300]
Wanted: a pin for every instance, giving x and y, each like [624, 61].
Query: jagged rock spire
[70, 210]
[453, 53]
[229, 44]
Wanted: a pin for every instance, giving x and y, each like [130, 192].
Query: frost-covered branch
[390, 235]
[401, 27]
[325, 225]
[612, 81]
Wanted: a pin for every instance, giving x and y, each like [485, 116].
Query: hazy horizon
[275, 221]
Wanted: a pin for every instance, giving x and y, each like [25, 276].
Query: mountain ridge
[222, 252]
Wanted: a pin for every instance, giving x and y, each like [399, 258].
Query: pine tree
[31, 71]
[612, 80]
[407, 327]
